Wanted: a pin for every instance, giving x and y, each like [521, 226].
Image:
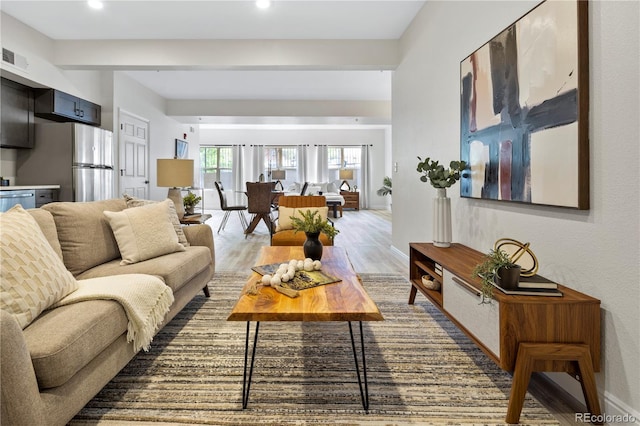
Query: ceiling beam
[227, 54]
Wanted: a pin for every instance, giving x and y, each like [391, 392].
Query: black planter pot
[508, 278]
[312, 246]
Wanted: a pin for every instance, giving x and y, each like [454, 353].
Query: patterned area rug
[421, 370]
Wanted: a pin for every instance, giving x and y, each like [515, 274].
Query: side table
[195, 219]
[351, 199]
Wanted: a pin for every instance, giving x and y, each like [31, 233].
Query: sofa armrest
[20, 400]
[201, 235]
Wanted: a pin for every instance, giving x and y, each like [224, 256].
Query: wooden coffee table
[346, 300]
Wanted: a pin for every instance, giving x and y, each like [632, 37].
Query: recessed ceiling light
[96, 4]
[263, 4]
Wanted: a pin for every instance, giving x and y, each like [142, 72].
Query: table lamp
[175, 173]
[345, 175]
[278, 175]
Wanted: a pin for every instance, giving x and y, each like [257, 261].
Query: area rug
[421, 370]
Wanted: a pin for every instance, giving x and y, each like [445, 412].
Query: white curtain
[322, 170]
[238, 171]
[303, 163]
[237, 175]
[365, 177]
[257, 168]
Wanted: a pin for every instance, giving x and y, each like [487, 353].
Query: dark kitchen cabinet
[60, 106]
[46, 196]
[17, 128]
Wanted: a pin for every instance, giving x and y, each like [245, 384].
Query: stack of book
[534, 286]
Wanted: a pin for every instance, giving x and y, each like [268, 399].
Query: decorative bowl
[430, 283]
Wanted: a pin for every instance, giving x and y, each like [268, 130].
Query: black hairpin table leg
[364, 394]
[246, 384]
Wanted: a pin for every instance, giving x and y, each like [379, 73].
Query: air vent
[14, 59]
[8, 56]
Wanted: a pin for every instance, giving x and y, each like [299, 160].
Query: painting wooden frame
[524, 110]
[182, 149]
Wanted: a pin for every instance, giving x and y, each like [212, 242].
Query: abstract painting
[524, 110]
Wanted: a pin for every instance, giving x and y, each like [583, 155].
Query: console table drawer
[463, 303]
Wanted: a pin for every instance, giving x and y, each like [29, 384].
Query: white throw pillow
[294, 187]
[285, 214]
[332, 187]
[32, 275]
[312, 190]
[144, 232]
[175, 221]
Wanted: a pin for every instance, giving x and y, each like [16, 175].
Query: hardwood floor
[366, 235]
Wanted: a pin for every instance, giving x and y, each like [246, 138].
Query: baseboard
[399, 254]
[615, 412]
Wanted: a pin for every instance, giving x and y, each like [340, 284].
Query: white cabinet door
[481, 320]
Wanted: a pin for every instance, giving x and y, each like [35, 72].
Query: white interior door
[134, 156]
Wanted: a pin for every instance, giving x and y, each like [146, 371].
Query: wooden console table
[521, 334]
[351, 199]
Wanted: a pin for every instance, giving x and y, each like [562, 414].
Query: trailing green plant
[487, 270]
[386, 187]
[191, 200]
[437, 175]
[311, 221]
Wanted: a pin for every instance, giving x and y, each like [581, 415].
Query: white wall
[595, 251]
[272, 136]
[132, 97]
[41, 72]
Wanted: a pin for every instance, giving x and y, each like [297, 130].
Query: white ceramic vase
[442, 219]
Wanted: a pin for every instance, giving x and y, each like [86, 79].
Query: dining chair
[259, 204]
[228, 209]
[287, 236]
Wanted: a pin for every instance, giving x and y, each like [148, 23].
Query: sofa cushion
[175, 269]
[144, 232]
[63, 340]
[173, 215]
[79, 226]
[285, 214]
[32, 275]
[48, 227]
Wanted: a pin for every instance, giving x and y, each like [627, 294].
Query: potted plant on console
[497, 267]
[312, 224]
[441, 179]
[190, 201]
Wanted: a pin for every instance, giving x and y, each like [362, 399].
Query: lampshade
[346, 173]
[175, 173]
[279, 174]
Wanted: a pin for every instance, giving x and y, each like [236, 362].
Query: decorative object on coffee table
[441, 179]
[312, 225]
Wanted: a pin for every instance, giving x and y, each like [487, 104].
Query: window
[282, 158]
[344, 157]
[216, 164]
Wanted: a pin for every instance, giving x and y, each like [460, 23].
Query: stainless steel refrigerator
[75, 156]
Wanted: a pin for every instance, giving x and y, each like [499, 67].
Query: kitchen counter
[22, 187]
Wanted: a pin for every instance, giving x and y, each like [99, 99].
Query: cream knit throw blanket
[146, 300]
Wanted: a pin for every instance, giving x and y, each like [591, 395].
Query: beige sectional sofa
[54, 366]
